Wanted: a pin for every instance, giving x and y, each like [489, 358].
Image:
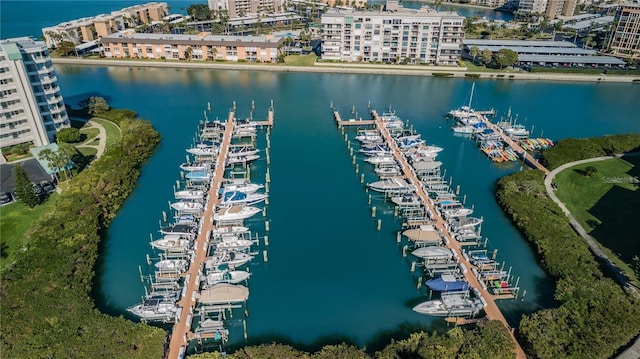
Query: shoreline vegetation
[594, 318]
[352, 68]
[46, 295]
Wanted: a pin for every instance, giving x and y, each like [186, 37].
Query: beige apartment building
[411, 36]
[92, 28]
[549, 8]
[31, 106]
[240, 8]
[625, 36]
[201, 47]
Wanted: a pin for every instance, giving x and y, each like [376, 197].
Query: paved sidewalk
[102, 139]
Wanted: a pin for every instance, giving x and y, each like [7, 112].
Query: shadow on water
[97, 293]
[76, 100]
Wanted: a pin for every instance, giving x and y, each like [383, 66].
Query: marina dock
[352, 122]
[181, 333]
[526, 156]
[491, 309]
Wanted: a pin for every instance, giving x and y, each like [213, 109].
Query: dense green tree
[506, 57]
[68, 135]
[65, 48]
[474, 52]
[24, 188]
[340, 351]
[487, 56]
[97, 105]
[199, 12]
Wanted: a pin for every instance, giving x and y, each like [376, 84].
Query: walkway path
[593, 244]
[102, 138]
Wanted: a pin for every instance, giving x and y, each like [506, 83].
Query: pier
[527, 158]
[352, 122]
[491, 309]
[181, 333]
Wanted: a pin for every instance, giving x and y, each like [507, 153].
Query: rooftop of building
[25, 43]
[568, 59]
[593, 22]
[401, 12]
[538, 50]
[515, 43]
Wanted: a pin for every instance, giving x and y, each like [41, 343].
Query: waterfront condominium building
[549, 8]
[31, 106]
[240, 8]
[410, 36]
[93, 28]
[625, 36]
[203, 46]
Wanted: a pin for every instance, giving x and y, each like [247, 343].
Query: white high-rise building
[31, 106]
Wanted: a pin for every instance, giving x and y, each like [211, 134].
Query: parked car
[5, 197]
[47, 186]
[37, 189]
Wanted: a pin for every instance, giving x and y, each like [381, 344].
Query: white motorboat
[388, 171]
[189, 194]
[179, 265]
[230, 258]
[245, 187]
[242, 159]
[516, 131]
[198, 176]
[195, 166]
[457, 212]
[155, 309]
[248, 131]
[171, 242]
[220, 231]
[451, 304]
[406, 200]
[237, 244]
[464, 130]
[376, 150]
[242, 151]
[203, 151]
[425, 234]
[433, 253]
[231, 277]
[406, 135]
[235, 213]
[460, 223]
[237, 197]
[407, 144]
[223, 293]
[381, 159]
[187, 206]
[369, 138]
[398, 185]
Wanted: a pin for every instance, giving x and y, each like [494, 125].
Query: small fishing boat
[424, 234]
[179, 265]
[237, 197]
[186, 229]
[369, 138]
[235, 213]
[447, 283]
[248, 131]
[155, 309]
[459, 223]
[451, 304]
[229, 258]
[406, 200]
[203, 151]
[233, 244]
[457, 212]
[223, 293]
[198, 176]
[398, 185]
[406, 144]
[242, 151]
[246, 187]
[189, 194]
[406, 135]
[226, 276]
[388, 171]
[171, 242]
[433, 253]
[187, 206]
[464, 130]
[376, 150]
[220, 231]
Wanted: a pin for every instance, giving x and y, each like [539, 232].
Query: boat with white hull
[243, 151]
[155, 309]
[171, 242]
[381, 159]
[196, 166]
[242, 159]
[198, 176]
[433, 253]
[246, 187]
[451, 304]
[237, 197]
[235, 244]
[189, 194]
[188, 207]
[179, 265]
[406, 200]
[229, 258]
[424, 234]
[231, 277]
[184, 229]
[203, 151]
[392, 185]
[235, 213]
[230, 230]
[223, 293]
[388, 171]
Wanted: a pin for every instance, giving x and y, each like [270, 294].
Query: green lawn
[113, 131]
[300, 60]
[87, 151]
[606, 204]
[89, 133]
[15, 220]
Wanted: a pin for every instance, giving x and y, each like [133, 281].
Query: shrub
[473, 76]
[68, 135]
[441, 74]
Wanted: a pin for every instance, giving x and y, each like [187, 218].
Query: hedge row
[574, 149]
[47, 309]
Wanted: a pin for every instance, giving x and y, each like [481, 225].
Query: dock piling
[373, 211]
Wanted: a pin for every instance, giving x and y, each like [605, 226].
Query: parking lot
[35, 172]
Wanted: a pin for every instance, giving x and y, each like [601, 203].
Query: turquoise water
[330, 272]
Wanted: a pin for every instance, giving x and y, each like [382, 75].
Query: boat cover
[223, 293]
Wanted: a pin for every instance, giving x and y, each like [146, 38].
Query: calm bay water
[330, 272]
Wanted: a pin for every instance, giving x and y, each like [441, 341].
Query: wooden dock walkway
[268, 121]
[360, 122]
[526, 156]
[181, 332]
[492, 311]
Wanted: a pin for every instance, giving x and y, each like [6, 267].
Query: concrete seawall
[405, 70]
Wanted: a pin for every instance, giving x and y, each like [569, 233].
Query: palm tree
[188, 52]
[50, 157]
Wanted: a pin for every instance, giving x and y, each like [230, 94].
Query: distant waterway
[330, 273]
